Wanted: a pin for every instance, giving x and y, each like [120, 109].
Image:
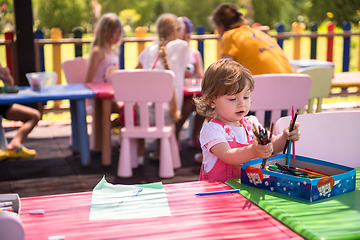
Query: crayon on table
[218, 192]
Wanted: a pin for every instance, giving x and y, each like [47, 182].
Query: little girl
[170, 53]
[228, 139]
[194, 69]
[104, 56]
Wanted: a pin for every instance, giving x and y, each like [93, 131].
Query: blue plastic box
[342, 178]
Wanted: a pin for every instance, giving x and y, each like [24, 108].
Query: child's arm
[95, 57]
[236, 156]
[6, 76]
[280, 140]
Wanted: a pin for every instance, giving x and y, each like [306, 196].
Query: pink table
[191, 87]
[104, 94]
[220, 216]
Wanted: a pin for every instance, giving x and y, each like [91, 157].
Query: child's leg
[115, 108]
[187, 109]
[28, 116]
[198, 122]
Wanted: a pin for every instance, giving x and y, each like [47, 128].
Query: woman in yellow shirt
[252, 48]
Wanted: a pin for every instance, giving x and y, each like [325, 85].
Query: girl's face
[115, 38]
[230, 109]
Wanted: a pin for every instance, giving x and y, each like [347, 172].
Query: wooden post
[280, 29]
[218, 45]
[313, 28]
[359, 50]
[296, 28]
[56, 33]
[9, 36]
[78, 47]
[346, 53]
[330, 41]
[200, 30]
[39, 52]
[140, 32]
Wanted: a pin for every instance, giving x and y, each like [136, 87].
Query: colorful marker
[217, 192]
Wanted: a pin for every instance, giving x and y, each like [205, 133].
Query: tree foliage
[343, 10]
[67, 14]
[64, 14]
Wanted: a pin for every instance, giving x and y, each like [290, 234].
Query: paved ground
[55, 170]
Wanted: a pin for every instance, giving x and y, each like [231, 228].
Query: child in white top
[194, 69]
[170, 53]
[104, 56]
[228, 139]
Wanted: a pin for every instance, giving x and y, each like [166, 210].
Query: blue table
[76, 93]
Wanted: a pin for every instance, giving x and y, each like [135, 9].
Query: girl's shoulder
[98, 52]
[177, 43]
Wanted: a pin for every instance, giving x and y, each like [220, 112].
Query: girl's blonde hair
[166, 25]
[106, 27]
[223, 77]
[228, 15]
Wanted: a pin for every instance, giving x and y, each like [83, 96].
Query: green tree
[343, 10]
[64, 14]
[7, 21]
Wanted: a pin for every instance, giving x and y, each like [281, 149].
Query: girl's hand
[5, 76]
[294, 135]
[262, 151]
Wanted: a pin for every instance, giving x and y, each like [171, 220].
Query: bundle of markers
[263, 138]
[296, 171]
[6, 206]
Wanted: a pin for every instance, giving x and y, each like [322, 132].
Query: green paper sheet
[335, 218]
[128, 201]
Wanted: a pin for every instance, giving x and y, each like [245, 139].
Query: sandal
[3, 155]
[22, 152]
[115, 130]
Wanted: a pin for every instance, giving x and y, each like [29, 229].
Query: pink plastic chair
[143, 86]
[329, 136]
[75, 72]
[277, 92]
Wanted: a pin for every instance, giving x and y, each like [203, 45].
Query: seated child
[17, 112]
[228, 139]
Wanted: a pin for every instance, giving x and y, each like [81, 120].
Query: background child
[174, 56]
[228, 139]
[104, 55]
[194, 69]
[17, 112]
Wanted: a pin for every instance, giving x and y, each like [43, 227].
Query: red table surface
[218, 216]
[105, 90]
[101, 90]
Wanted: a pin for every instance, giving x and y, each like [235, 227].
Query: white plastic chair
[321, 85]
[277, 92]
[11, 226]
[143, 86]
[329, 136]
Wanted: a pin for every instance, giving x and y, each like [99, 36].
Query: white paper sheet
[128, 201]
